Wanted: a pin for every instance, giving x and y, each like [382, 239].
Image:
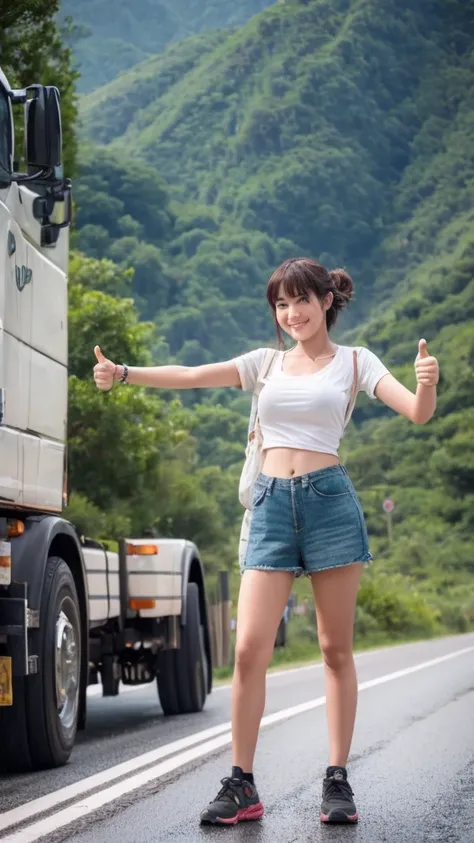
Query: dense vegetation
[135, 464]
[105, 44]
[258, 134]
[32, 50]
[325, 127]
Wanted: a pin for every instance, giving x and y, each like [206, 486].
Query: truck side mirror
[49, 213]
[43, 128]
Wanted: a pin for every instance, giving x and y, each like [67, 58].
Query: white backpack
[253, 452]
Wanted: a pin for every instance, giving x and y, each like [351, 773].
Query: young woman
[306, 517]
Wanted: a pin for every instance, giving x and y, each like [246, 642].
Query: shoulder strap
[268, 361]
[354, 389]
[270, 356]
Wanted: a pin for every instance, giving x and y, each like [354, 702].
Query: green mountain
[341, 129]
[299, 133]
[107, 43]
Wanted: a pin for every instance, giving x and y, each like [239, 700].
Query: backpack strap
[354, 389]
[271, 355]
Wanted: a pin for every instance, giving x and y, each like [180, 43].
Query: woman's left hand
[426, 366]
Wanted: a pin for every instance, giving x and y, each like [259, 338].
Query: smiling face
[300, 292]
[301, 316]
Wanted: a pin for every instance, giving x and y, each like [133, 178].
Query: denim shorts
[306, 524]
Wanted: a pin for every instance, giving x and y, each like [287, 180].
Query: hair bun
[344, 287]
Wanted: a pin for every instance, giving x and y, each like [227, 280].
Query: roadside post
[388, 507]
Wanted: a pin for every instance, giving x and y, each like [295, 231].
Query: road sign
[388, 505]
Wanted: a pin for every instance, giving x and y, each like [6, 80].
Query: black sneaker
[237, 800]
[337, 805]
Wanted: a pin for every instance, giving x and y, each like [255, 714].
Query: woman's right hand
[104, 371]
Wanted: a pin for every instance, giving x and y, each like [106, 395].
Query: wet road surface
[411, 767]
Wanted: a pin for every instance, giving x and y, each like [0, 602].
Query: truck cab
[33, 326]
[72, 611]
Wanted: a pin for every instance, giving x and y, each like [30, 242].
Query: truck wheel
[182, 673]
[53, 693]
[190, 657]
[167, 682]
[39, 730]
[205, 663]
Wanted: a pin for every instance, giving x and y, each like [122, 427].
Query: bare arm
[166, 377]
[183, 377]
[419, 407]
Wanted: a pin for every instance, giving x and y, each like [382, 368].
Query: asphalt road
[411, 768]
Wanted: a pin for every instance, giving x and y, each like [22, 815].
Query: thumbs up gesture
[104, 371]
[426, 366]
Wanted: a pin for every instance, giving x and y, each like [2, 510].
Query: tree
[96, 316]
[32, 51]
[133, 458]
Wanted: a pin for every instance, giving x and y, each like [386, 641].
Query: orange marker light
[15, 528]
[137, 604]
[142, 550]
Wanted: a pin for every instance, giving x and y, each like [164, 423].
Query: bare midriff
[291, 462]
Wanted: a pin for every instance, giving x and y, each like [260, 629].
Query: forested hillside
[340, 130]
[106, 44]
[297, 134]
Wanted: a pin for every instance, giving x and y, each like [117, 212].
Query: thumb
[100, 357]
[423, 349]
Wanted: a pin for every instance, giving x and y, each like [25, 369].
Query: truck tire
[53, 693]
[167, 683]
[43, 719]
[205, 663]
[190, 663]
[182, 673]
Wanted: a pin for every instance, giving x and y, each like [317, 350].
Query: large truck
[72, 612]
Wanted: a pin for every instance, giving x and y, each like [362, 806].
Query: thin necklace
[323, 357]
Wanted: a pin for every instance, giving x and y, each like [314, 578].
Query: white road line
[93, 802]
[56, 798]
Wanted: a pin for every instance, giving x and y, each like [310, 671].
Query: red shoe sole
[255, 812]
[339, 817]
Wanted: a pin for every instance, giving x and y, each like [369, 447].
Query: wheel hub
[67, 670]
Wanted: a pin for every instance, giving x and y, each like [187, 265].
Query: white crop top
[308, 411]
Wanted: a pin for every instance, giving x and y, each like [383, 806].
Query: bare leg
[335, 596]
[262, 599]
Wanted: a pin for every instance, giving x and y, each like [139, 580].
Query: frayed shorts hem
[365, 559]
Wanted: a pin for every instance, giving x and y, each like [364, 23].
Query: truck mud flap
[14, 624]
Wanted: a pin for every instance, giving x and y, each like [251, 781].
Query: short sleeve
[371, 370]
[248, 366]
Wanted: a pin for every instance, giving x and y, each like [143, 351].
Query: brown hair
[300, 276]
